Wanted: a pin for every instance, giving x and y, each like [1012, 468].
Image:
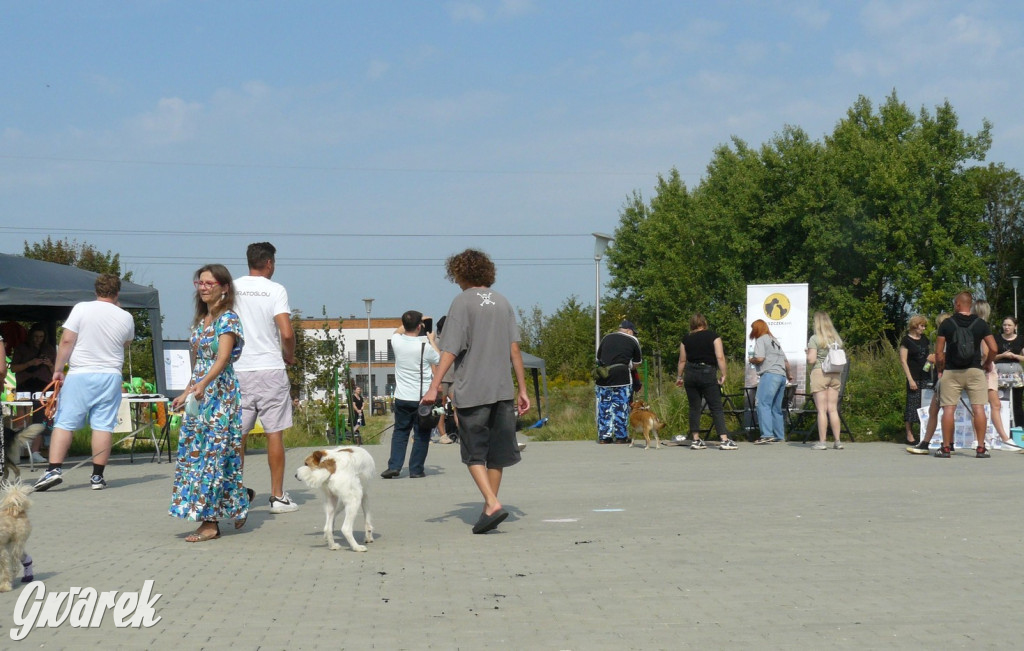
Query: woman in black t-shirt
[701, 358]
[1009, 355]
[913, 357]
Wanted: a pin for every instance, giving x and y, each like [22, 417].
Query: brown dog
[642, 419]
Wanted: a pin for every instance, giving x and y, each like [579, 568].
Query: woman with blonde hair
[984, 311]
[913, 358]
[824, 386]
[773, 372]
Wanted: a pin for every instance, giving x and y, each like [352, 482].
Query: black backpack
[962, 349]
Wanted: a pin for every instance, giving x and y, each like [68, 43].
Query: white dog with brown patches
[341, 475]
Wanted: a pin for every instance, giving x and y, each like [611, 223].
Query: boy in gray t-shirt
[481, 340]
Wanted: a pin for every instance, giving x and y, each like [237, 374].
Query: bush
[872, 405]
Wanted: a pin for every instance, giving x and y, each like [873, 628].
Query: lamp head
[601, 242]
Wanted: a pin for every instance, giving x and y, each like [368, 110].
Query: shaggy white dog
[341, 476]
[14, 531]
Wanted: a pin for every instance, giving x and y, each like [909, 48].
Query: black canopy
[33, 290]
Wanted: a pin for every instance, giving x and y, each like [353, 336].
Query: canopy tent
[536, 364]
[33, 290]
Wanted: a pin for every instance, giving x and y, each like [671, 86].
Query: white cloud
[468, 11]
[173, 120]
[482, 11]
[377, 68]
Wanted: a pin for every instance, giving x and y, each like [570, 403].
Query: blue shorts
[89, 397]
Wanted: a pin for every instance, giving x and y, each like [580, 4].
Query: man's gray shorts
[265, 394]
[487, 435]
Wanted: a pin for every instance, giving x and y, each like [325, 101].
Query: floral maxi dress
[208, 475]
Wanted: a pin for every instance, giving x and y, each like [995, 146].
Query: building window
[361, 350]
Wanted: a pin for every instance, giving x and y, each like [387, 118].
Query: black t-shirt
[917, 355]
[1015, 345]
[618, 348]
[979, 329]
[700, 347]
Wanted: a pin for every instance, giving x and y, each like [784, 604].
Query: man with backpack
[959, 363]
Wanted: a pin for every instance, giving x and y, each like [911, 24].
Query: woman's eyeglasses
[203, 284]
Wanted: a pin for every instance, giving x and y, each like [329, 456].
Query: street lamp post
[1016, 281]
[601, 242]
[369, 355]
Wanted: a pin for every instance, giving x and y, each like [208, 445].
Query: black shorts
[487, 435]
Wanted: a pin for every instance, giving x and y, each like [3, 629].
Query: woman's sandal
[195, 536]
[240, 522]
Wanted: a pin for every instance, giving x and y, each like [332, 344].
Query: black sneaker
[943, 452]
[920, 448]
[390, 474]
[981, 452]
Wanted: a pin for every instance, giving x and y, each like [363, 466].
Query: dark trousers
[405, 420]
[701, 382]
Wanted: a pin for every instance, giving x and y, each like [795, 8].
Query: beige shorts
[821, 380]
[265, 394]
[956, 381]
[993, 380]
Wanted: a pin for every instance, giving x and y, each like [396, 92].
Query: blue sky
[369, 140]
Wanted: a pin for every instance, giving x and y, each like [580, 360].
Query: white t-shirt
[257, 301]
[103, 329]
[407, 365]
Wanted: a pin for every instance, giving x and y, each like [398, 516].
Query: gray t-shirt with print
[768, 347]
[479, 331]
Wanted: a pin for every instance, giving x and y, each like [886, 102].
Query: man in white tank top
[262, 306]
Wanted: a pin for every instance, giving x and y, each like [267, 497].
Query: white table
[136, 402]
[12, 404]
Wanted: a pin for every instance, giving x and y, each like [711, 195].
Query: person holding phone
[416, 355]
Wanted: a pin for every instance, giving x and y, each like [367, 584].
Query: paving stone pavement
[773, 547]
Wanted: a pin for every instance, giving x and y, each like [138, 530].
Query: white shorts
[267, 395]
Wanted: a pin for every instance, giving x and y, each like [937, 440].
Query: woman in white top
[824, 386]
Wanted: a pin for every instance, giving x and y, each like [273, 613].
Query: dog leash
[47, 404]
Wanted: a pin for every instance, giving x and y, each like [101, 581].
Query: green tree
[139, 361]
[74, 254]
[1002, 191]
[881, 218]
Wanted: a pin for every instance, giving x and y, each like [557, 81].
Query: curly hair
[107, 286]
[471, 267]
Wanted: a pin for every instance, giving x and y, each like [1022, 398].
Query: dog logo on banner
[776, 306]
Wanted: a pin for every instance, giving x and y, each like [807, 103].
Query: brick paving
[773, 547]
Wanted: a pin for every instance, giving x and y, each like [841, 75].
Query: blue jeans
[771, 389]
[405, 420]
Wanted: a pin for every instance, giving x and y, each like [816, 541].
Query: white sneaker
[283, 504]
[819, 446]
[38, 458]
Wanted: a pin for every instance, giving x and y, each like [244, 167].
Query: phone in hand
[428, 325]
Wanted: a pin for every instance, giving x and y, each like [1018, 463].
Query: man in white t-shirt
[93, 342]
[262, 307]
[415, 353]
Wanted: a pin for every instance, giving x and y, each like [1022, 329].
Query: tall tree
[1002, 191]
[881, 218]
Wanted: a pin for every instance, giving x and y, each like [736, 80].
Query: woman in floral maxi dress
[208, 477]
